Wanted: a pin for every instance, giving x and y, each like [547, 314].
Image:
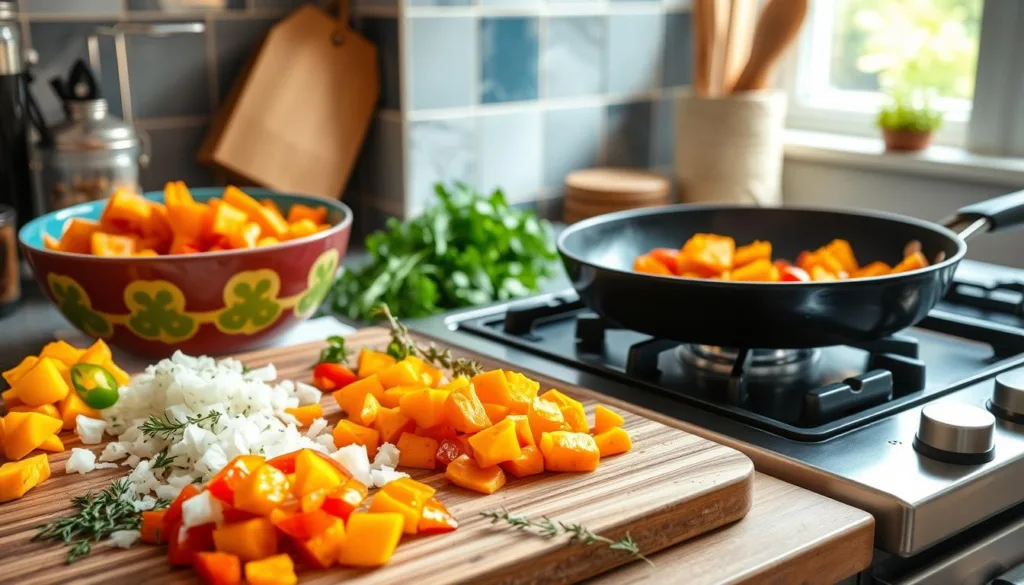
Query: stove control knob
[956, 433]
[1008, 398]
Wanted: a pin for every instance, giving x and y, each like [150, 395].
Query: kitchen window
[964, 50]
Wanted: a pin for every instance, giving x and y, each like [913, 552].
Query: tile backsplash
[509, 93]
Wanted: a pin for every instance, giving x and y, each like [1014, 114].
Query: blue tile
[677, 63]
[629, 135]
[516, 3]
[440, 2]
[663, 132]
[383, 32]
[439, 150]
[97, 7]
[510, 154]
[59, 45]
[168, 75]
[573, 60]
[441, 68]
[508, 59]
[179, 6]
[235, 42]
[634, 52]
[572, 140]
[174, 158]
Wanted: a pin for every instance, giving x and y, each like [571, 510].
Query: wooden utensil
[701, 34]
[738, 34]
[719, 27]
[777, 29]
[591, 192]
[671, 487]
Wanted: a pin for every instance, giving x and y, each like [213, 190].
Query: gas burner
[776, 365]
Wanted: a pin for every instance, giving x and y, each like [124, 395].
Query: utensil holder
[729, 149]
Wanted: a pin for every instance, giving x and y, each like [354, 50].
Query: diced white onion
[90, 430]
[124, 538]
[387, 455]
[81, 460]
[385, 475]
[201, 509]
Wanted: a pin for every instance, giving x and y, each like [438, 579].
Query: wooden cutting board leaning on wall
[296, 117]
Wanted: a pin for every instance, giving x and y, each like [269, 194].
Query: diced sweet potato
[465, 473]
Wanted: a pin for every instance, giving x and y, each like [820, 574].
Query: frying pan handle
[993, 215]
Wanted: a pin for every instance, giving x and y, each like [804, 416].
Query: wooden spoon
[777, 29]
[701, 34]
[742, 14]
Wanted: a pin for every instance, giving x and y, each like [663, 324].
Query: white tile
[510, 154]
[440, 150]
[634, 52]
[573, 59]
[572, 141]
[442, 63]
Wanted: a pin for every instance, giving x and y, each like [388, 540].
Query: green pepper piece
[96, 386]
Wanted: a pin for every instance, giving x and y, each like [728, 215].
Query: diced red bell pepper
[153, 526]
[449, 450]
[436, 519]
[794, 274]
[304, 525]
[182, 545]
[232, 514]
[345, 498]
[222, 485]
[330, 377]
[668, 257]
[314, 500]
[217, 568]
[173, 515]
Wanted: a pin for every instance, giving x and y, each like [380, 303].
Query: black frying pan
[599, 252]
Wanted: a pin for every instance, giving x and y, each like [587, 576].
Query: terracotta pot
[906, 140]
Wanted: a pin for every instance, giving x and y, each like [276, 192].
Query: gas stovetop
[843, 421]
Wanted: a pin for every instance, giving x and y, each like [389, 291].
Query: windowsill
[945, 162]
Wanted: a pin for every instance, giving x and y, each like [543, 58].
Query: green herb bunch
[467, 250]
[908, 111]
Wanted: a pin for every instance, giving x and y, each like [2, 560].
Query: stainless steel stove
[925, 429]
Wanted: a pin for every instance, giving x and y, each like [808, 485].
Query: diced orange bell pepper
[873, 269]
[455, 384]
[50, 242]
[545, 416]
[409, 491]
[43, 384]
[314, 472]
[648, 264]
[347, 433]
[262, 490]
[157, 231]
[304, 525]
[383, 502]
[822, 258]
[299, 212]
[184, 245]
[429, 375]
[314, 500]
[25, 431]
[371, 362]
[393, 396]
[425, 406]
[668, 257]
[521, 391]
[495, 412]
[267, 241]
[523, 432]
[104, 244]
[820, 273]
[173, 516]
[449, 450]
[914, 261]
[367, 415]
[760, 270]
[222, 485]
[391, 423]
[842, 251]
[10, 398]
[495, 444]
[250, 540]
[125, 212]
[416, 452]
[305, 415]
[344, 499]
[351, 397]
[491, 387]
[62, 351]
[465, 473]
[707, 254]
[322, 551]
[605, 418]
[17, 477]
[274, 570]
[756, 250]
[402, 373]
[572, 410]
[301, 229]
[223, 220]
[531, 462]
[14, 374]
[52, 444]
[71, 406]
[153, 526]
[183, 544]
[47, 409]
[187, 219]
[97, 354]
[370, 539]
[613, 441]
[269, 220]
[436, 519]
[464, 410]
[245, 236]
[77, 237]
[271, 205]
[328, 377]
[216, 568]
[569, 451]
[437, 432]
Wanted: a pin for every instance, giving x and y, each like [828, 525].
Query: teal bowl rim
[35, 227]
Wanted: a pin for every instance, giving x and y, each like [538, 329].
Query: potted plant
[908, 124]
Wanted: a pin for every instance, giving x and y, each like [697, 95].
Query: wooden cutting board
[672, 486]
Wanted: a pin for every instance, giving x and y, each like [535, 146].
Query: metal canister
[15, 175]
[93, 154]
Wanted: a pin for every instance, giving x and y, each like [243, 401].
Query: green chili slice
[96, 386]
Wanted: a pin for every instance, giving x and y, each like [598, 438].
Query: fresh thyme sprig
[162, 459]
[335, 352]
[166, 429]
[402, 346]
[97, 516]
[547, 528]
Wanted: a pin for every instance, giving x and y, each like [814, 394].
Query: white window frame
[993, 125]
